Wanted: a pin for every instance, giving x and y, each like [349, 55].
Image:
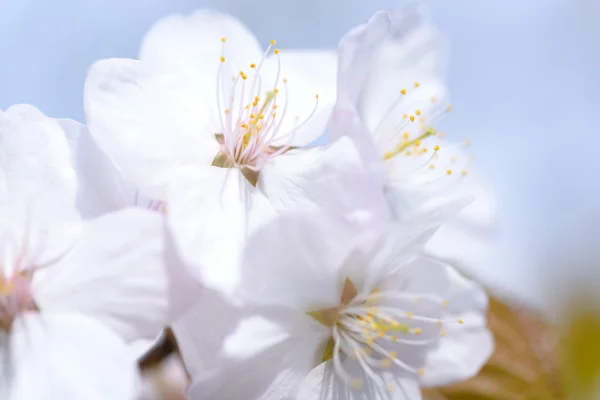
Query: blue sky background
[524, 77]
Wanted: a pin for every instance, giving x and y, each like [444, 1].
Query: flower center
[15, 297]
[250, 121]
[375, 329]
[414, 150]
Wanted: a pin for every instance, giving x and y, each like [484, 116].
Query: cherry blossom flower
[73, 293]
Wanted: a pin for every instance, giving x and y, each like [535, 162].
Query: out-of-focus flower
[391, 69]
[375, 317]
[73, 293]
[210, 123]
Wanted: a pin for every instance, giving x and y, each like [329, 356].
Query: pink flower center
[15, 297]
[251, 118]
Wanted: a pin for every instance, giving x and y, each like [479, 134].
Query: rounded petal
[356, 52]
[37, 184]
[190, 46]
[215, 318]
[332, 178]
[463, 239]
[296, 261]
[101, 187]
[212, 211]
[117, 273]
[307, 96]
[468, 343]
[269, 353]
[148, 122]
[411, 52]
[67, 356]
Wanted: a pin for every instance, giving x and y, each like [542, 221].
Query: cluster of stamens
[420, 143]
[373, 328]
[251, 121]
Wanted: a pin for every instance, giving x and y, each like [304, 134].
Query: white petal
[297, 261]
[118, 274]
[37, 183]
[308, 74]
[212, 211]
[412, 52]
[268, 355]
[101, 187]
[467, 347]
[68, 356]
[201, 331]
[332, 178]
[190, 46]
[464, 239]
[148, 122]
[356, 52]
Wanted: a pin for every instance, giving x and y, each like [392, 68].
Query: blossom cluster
[195, 197]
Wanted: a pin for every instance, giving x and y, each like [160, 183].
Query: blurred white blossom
[73, 293]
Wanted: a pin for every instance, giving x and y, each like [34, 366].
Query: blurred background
[524, 77]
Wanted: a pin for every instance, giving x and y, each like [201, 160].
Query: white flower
[375, 317]
[73, 293]
[392, 69]
[209, 122]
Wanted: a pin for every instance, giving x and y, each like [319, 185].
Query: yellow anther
[257, 98]
[273, 115]
[412, 118]
[422, 119]
[464, 172]
[444, 303]
[390, 387]
[438, 323]
[406, 135]
[388, 155]
[449, 172]
[424, 150]
[252, 65]
[409, 314]
[223, 40]
[403, 91]
[393, 354]
[275, 90]
[247, 107]
[417, 331]
[276, 51]
[251, 115]
[417, 143]
[226, 111]
[461, 321]
[421, 371]
[244, 77]
[273, 42]
[444, 333]
[404, 116]
[431, 166]
[222, 59]
[356, 383]
[418, 112]
[449, 108]
[436, 147]
[394, 338]
[407, 153]
[316, 96]
[261, 116]
[417, 84]
[255, 103]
